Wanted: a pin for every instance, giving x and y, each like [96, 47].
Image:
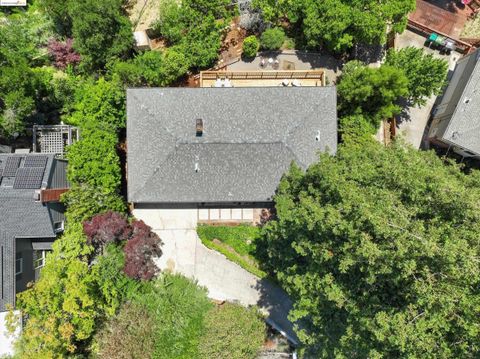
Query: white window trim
[21, 265]
[42, 259]
[60, 228]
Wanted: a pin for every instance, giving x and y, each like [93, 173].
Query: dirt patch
[472, 28]
[232, 43]
[142, 13]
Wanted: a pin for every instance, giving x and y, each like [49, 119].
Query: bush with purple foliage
[140, 250]
[109, 227]
[63, 53]
[141, 247]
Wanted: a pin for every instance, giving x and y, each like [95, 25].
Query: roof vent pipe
[317, 137]
[199, 127]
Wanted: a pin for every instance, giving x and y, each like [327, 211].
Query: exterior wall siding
[7, 256]
[24, 246]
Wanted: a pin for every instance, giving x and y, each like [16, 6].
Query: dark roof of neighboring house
[463, 129]
[21, 215]
[250, 137]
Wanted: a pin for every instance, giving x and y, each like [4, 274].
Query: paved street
[184, 253]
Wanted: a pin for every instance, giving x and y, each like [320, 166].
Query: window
[40, 258]
[18, 264]
[58, 227]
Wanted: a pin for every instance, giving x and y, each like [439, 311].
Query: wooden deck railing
[263, 75]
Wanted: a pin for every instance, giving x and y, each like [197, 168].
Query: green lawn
[237, 243]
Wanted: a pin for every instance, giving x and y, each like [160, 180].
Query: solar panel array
[35, 161]
[29, 178]
[11, 166]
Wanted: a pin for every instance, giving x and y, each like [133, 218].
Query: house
[31, 217]
[456, 120]
[222, 151]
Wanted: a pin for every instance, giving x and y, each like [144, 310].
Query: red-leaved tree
[140, 250]
[109, 227]
[63, 53]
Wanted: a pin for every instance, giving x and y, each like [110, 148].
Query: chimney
[199, 127]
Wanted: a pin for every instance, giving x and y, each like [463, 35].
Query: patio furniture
[296, 83]
[276, 64]
[285, 82]
[263, 64]
[270, 61]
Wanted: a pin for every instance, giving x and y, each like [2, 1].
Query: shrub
[99, 104]
[84, 201]
[113, 285]
[63, 53]
[130, 334]
[272, 39]
[250, 46]
[357, 125]
[232, 331]
[140, 251]
[179, 307]
[109, 227]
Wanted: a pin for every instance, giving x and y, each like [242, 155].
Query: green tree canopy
[25, 94]
[426, 75]
[379, 249]
[371, 92]
[100, 30]
[62, 306]
[151, 68]
[194, 28]
[338, 24]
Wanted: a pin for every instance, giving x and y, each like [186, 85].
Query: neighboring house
[456, 120]
[31, 217]
[222, 151]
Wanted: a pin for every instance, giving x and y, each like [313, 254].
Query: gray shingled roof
[464, 126]
[251, 135]
[20, 217]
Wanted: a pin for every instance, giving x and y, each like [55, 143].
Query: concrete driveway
[412, 124]
[184, 253]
